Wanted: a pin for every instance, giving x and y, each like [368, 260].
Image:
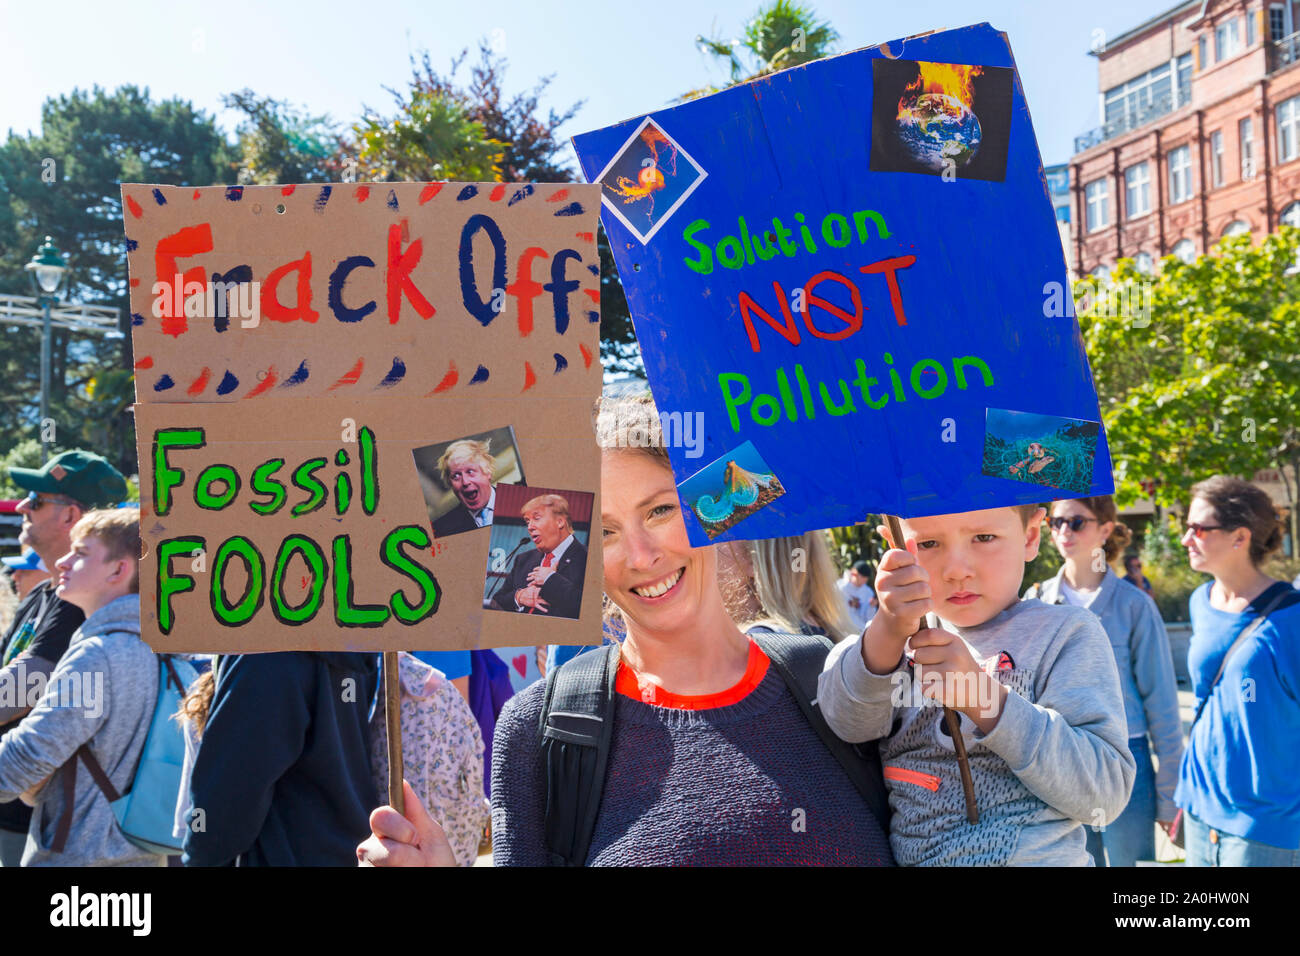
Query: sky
[623, 59]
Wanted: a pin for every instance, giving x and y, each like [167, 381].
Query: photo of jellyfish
[648, 179]
[944, 119]
[731, 489]
[1045, 450]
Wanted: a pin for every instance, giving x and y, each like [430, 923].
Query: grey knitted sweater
[102, 692]
[1057, 759]
[746, 784]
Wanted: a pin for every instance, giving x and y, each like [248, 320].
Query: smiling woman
[714, 756]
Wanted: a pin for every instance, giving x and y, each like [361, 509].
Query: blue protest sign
[852, 270]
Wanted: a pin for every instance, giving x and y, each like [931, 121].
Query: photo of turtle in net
[731, 489]
[1045, 450]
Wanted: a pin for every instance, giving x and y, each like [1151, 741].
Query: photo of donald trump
[459, 479]
[548, 578]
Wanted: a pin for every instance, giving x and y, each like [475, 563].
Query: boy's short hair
[119, 530]
[1027, 512]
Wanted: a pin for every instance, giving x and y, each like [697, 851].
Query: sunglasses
[35, 499]
[1198, 530]
[1075, 523]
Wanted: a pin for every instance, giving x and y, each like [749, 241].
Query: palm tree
[780, 35]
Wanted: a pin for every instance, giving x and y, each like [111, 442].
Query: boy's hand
[948, 673]
[903, 589]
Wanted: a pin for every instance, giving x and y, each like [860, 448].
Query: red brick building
[1200, 134]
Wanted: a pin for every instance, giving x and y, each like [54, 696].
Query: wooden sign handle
[949, 715]
[393, 723]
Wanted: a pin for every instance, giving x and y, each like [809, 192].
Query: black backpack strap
[799, 660]
[576, 726]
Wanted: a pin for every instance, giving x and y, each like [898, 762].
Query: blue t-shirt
[1238, 773]
[453, 664]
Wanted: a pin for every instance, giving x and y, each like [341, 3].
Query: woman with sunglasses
[1238, 783]
[710, 758]
[1088, 534]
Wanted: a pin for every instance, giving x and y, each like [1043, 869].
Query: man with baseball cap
[59, 493]
[28, 570]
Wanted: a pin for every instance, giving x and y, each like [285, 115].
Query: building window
[1227, 41]
[1276, 22]
[1184, 79]
[1144, 97]
[1246, 139]
[1062, 213]
[1291, 215]
[1137, 191]
[1288, 129]
[1098, 200]
[1216, 157]
[1184, 250]
[1180, 175]
[1250, 28]
[1203, 56]
[1144, 263]
[1238, 227]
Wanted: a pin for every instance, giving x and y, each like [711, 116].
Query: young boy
[1034, 685]
[101, 694]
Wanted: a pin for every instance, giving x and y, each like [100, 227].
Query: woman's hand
[396, 840]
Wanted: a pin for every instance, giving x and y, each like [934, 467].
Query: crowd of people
[751, 705]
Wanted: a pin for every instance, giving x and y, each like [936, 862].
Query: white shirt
[864, 612]
[1078, 598]
[484, 517]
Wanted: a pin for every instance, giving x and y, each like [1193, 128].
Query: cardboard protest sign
[317, 368]
[846, 267]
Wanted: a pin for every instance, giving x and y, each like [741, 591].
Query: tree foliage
[65, 181]
[780, 35]
[1211, 385]
[277, 143]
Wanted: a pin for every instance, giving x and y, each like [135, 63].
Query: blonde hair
[556, 503]
[119, 530]
[467, 449]
[795, 592]
[198, 700]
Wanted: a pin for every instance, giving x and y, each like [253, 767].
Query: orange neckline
[630, 684]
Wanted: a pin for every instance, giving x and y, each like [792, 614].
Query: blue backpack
[146, 812]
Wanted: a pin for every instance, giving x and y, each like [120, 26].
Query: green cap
[80, 475]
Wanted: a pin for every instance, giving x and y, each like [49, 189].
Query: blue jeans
[1132, 836]
[1209, 847]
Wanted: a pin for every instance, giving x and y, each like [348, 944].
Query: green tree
[431, 137]
[65, 181]
[780, 35]
[1198, 369]
[280, 144]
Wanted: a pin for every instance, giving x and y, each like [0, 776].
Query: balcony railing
[1128, 122]
[1285, 52]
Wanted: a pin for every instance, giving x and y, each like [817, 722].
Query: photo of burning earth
[943, 119]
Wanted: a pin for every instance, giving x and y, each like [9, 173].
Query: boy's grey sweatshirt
[103, 691]
[1057, 759]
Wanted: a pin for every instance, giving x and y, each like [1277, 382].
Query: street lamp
[47, 270]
